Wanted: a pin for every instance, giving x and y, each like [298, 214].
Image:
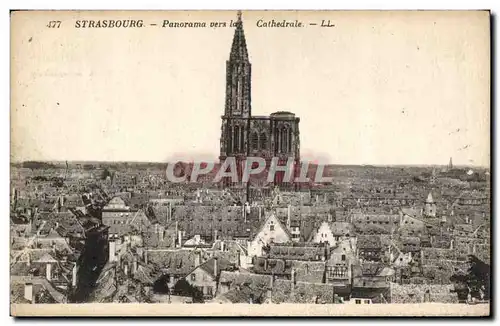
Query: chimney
[134, 266]
[197, 258]
[289, 216]
[238, 258]
[112, 251]
[265, 264]
[48, 272]
[28, 257]
[260, 212]
[28, 292]
[169, 213]
[215, 235]
[161, 233]
[222, 246]
[451, 244]
[180, 238]
[145, 257]
[216, 267]
[74, 275]
[125, 269]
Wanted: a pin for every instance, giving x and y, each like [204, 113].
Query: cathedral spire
[239, 47]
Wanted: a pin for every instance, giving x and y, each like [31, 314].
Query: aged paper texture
[276, 163]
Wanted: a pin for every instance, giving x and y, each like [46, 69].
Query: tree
[161, 284]
[476, 280]
[183, 288]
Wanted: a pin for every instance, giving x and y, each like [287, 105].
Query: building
[205, 275]
[430, 206]
[243, 134]
[271, 231]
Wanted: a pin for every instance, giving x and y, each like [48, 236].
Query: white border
[494, 5]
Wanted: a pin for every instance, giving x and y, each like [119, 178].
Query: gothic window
[242, 139]
[263, 141]
[255, 141]
[280, 140]
[289, 140]
[283, 140]
[236, 138]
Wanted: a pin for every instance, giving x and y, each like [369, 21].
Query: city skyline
[352, 172]
[419, 104]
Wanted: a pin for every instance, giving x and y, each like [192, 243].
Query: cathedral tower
[245, 135]
[237, 112]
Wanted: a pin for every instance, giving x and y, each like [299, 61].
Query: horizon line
[215, 162]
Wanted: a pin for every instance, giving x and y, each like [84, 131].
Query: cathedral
[246, 135]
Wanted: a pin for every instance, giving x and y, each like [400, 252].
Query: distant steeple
[239, 47]
[450, 164]
[430, 206]
[429, 199]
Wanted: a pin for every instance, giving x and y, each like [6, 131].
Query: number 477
[54, 24]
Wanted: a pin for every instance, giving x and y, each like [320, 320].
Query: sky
[381, 88]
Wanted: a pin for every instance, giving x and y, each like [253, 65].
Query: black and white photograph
[241, 162]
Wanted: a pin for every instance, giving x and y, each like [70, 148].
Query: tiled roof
[243, 294]
[369, 269]
[365, 229]
[222, 264]
[254, 281]
[341, 228]
[369, 242]
[303, 252]
[285, 291]
[274, 266]
[304, 270]
[144, 274]
[228, 221]
[152, 239]
[173, 262]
